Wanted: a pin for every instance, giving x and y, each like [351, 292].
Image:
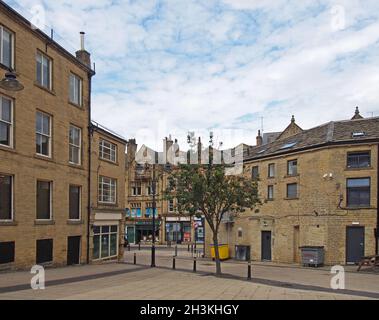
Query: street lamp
[10, 82]
[166, 168]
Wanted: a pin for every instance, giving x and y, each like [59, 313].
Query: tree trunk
[217, 255]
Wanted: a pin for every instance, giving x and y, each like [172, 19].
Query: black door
[355, 244]
[73, 250]
[266, 245]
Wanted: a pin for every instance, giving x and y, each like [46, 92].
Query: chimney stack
[131, 150]
[259, 139]
[83, 55]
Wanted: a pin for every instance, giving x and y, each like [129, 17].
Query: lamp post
[154, 209]
[10, 82]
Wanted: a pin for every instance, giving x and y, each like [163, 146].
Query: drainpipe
[377, 203]
[89, 166]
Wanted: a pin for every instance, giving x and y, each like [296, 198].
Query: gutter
[89, 165]
[377, 204]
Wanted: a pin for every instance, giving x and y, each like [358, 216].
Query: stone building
[43, 148]
[53, 161]
[107, 194]
[319, 188]
[171, 227]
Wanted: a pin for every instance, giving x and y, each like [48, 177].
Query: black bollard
[249, 270]
[135, 258]
[194, 264]
[173, 262]
[188, 248]
[139, 245]
[176, 251]
[128, 247]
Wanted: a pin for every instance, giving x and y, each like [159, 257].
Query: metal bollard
[139, 245]
[249, 270]
[173, 262]
[176, 251]
[194, 264]
[135, 258]
[128, 247]
[188, 248]
[191, 248]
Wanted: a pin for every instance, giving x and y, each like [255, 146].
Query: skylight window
[288, 145]
[259, 152]
[358, 134]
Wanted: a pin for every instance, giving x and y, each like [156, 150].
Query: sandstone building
[319, 188]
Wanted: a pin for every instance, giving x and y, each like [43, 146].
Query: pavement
[125, 281]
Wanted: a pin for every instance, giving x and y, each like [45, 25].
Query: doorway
[266, 246]
[296, 244]
[73, 250]
[355, 244]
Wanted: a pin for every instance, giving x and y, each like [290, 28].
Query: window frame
[109, 233]
[101, 151]
[171, 205]
[271, 165]
[79, 147]
[347, 193]
[101, 190]
[288, 168]
[50, 60]
[352, 153]
[12, 46]
[49, 136]
[79, 205]
[50, 200]
[10, 124]
[297, 190]
[11, 199]
[252, 172]
[270, 187]
[136, 186]
[80, 87]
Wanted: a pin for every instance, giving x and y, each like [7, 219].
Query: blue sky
[169, 67]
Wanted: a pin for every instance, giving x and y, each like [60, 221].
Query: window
[288, 145]
[44, 71]
[107, 190]
[358, 192]
[358, 159]
[75, 145]
[6, 47]
[107, 150]
[43, 200]
[255, 173]
[292, 191]
[6, 194]
[105, 242]
[149, 211]
[137, 189]
[171, 205]
[292, 168]
[75, 90]
[43, 134]
[271, 170]
[6, 121]
[135, 211]
[270, 192]
[7, 252]
[149, 190]
[74, 202]
[44, 251]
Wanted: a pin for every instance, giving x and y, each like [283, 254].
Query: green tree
[206, 190]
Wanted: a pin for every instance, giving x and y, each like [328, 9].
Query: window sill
[76, 166]
[3, 66]
[115, 163]
[74, 222]
[5, 223]
[80, 107]
[7, 148]
[44, 222]
[360, 208]
[105, 204]
[359, 169]
[42, 157]
[297, 198]
[270, 199]
[291, 175]
[45, 89]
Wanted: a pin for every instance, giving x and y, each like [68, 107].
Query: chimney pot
[259, 139]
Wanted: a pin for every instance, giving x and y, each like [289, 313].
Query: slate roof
[331, 133]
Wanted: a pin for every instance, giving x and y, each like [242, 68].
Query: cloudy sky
[169, 67]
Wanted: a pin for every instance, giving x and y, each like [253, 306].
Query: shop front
[144, 231]
[178, 229]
